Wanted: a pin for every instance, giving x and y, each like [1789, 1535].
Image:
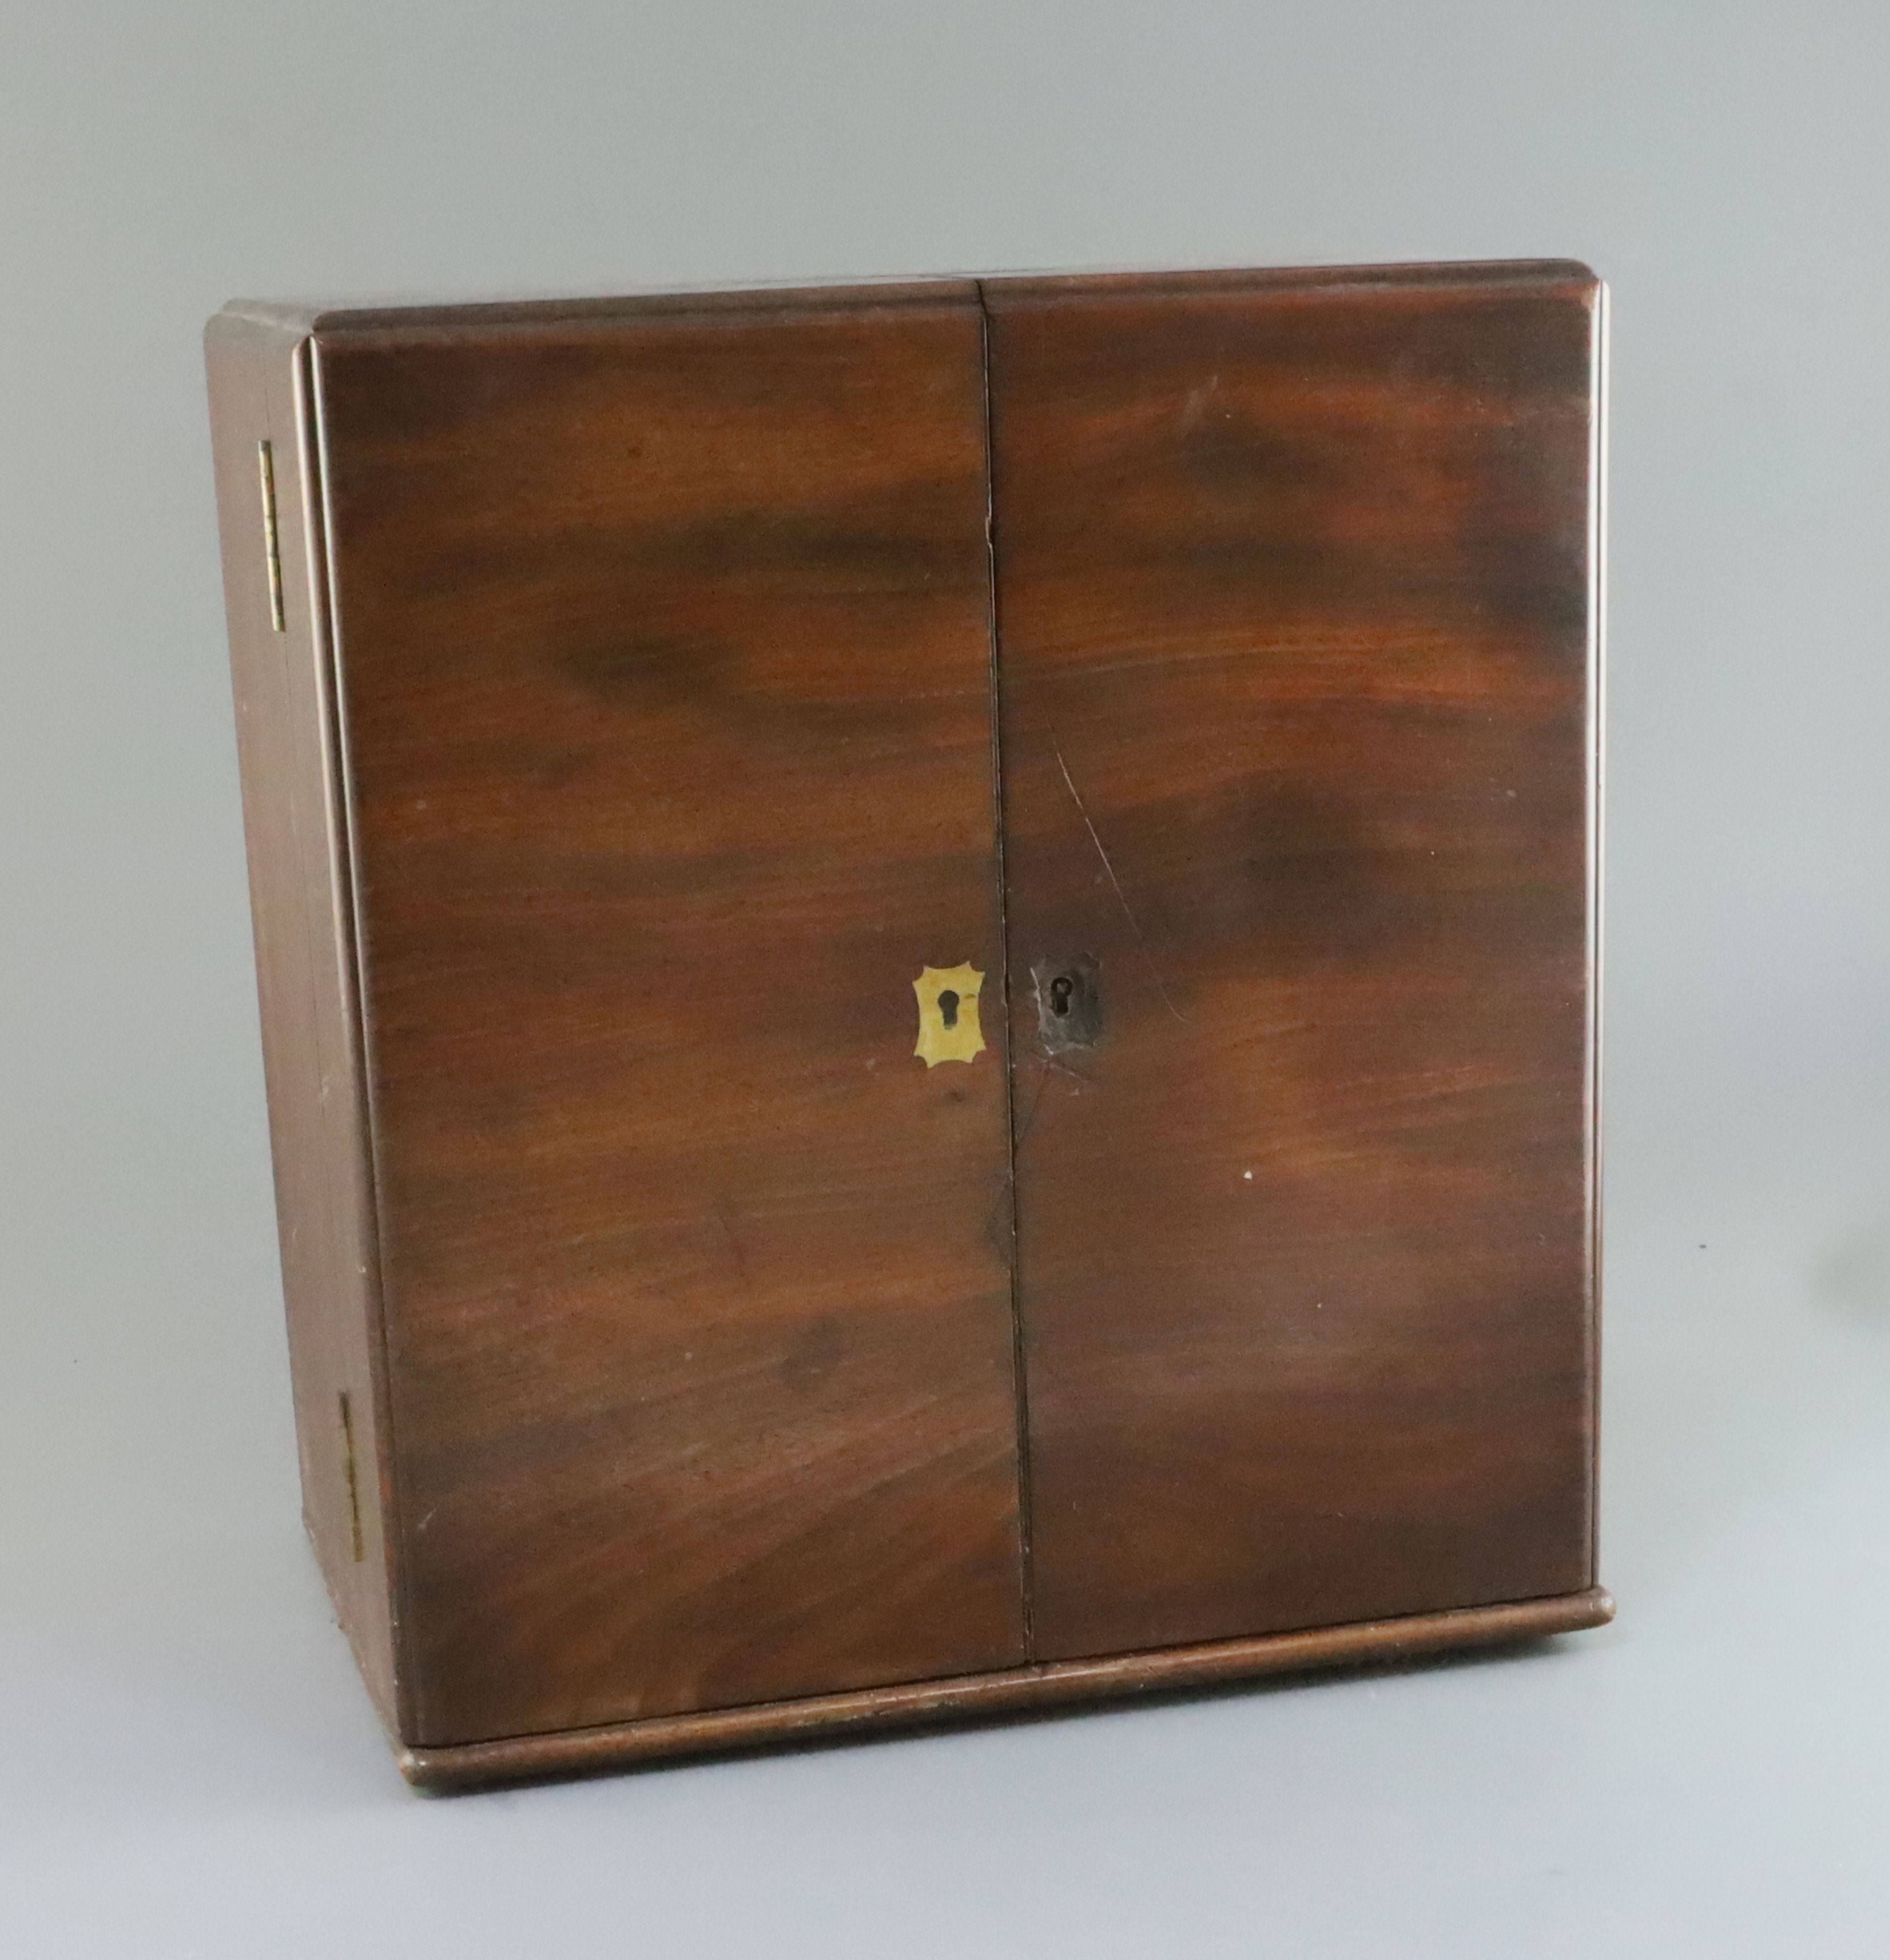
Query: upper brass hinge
[265, 465]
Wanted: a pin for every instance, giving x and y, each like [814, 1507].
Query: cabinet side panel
[665, 667]
[297, 888]
[1296, 646]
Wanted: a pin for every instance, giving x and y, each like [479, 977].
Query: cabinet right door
[1296, 596]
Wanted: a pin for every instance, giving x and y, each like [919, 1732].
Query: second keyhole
[1069, 1002]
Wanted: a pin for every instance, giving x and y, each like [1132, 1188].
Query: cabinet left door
[663, 667]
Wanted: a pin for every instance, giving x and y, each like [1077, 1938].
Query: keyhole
[1061, 989]
[948, 1008]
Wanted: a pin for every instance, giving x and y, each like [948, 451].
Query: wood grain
[652, 670]
[1297, 624]
[300, 909]
[1045, 1686]
[665, 648]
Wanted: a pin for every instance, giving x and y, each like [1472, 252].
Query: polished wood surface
[1048, 1685]
[300, 909]
[690, 713]
[666, 660]
[1296, 621]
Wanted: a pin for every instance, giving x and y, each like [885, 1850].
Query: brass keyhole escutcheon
[948, 1030]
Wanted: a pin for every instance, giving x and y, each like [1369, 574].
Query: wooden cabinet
[926, 955]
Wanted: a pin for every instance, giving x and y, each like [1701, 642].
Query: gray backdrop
[187, 1767]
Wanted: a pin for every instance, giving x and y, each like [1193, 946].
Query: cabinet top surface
[371, 315]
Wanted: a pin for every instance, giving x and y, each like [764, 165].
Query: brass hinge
[265, 464]
[355, 1544]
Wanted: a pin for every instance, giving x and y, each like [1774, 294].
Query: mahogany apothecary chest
[927, 963]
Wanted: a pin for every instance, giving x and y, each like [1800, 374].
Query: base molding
[571, 1751]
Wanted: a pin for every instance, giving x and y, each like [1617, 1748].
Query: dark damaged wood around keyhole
[1069, 1004]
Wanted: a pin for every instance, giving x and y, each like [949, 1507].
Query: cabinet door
[1296, 615]
[665, 663]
